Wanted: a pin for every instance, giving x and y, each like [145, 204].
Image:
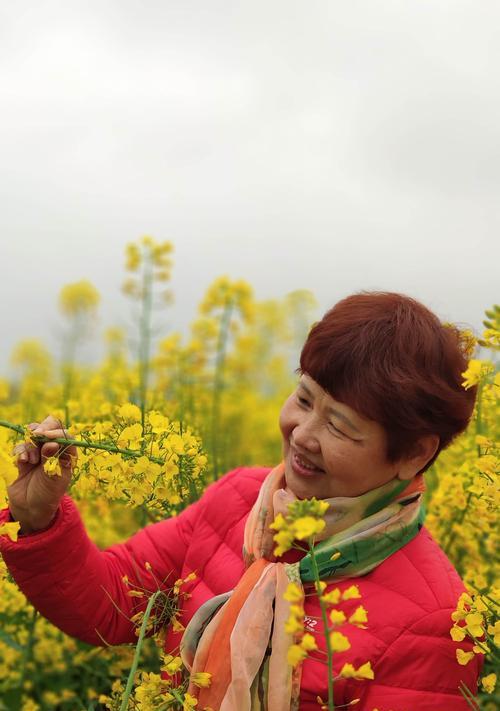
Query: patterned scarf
[239, 636]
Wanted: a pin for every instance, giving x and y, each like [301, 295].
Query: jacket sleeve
[80, 588]
[419, 670]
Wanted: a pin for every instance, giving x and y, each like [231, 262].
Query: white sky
[327, 145]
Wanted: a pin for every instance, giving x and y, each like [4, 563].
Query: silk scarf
[239, 637]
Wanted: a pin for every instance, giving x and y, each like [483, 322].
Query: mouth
[303, 466]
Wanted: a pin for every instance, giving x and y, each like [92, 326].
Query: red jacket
[409, 597]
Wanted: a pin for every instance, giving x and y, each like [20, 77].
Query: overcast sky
[328, 145]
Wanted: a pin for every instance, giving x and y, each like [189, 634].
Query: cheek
[339, 453]
[286, 418]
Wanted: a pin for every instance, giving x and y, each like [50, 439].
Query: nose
[303, 436]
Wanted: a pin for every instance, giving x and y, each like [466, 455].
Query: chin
[303, 489]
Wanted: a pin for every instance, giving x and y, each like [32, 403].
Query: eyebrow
[332, 411]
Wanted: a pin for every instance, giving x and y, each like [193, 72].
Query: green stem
[324, 617]
[479, 427]
[81, 443]
[27, 652]
[220, 358]
[468, 696]
[68, 364]
[137, 655]
[145, 333]
[479, 410]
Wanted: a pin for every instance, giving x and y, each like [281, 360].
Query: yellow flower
[488, 464]
[130, 436]
[279, 523]
[295, 655]
[293, 625]
[494, 631]
[80, 297]
[457, 633]
[10, 529]
[130, 412]
[473, 622]
[476, 370]
[351, 593]
[171, 664]
[339, 642]
[478, 602]
[189, 702]
[464, 657]
[359, 617]
[293, 593]
[365, 671]
[337, 617]
[484, 649]
[201, 679]
[489, 682]
[347, 671]
[52, 467]
[284, 540]
[176, 625]
[332, 597]
[308, 643]
[158, 422]
[133, 257]
[307, 526]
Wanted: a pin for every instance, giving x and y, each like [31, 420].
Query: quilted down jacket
[409, 597]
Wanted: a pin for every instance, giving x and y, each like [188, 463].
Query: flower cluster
[302, 522]
[153, 395]
[153, 258]
[477, 618]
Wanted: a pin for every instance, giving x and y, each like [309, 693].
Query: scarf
[239, 637]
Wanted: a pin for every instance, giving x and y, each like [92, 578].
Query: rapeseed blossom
[78, 298]
[173, 461]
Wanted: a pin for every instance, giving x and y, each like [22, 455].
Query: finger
[50, 423]
[52, 433]
[67, 454]
[26, 452]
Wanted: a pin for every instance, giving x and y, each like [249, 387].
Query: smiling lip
[298, 466]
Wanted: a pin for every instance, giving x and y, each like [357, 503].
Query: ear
[424, 449]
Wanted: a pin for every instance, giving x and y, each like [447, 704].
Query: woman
[379, 397]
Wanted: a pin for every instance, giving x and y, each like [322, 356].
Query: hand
[34, 496]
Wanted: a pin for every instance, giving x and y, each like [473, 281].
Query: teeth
[303, 464]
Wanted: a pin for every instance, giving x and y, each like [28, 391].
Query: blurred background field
[203, 404]
[306, 151]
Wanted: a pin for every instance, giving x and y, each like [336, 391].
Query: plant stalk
[137, 654]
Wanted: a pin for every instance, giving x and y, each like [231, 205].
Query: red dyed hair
[391, 359]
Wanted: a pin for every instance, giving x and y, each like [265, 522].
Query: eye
[303, 401]
[336, 429]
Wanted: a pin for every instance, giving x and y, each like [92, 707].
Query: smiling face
[330, 449]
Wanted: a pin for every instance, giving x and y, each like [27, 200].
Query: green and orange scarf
[239, 637]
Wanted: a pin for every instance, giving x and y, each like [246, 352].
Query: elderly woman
[379, 397]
